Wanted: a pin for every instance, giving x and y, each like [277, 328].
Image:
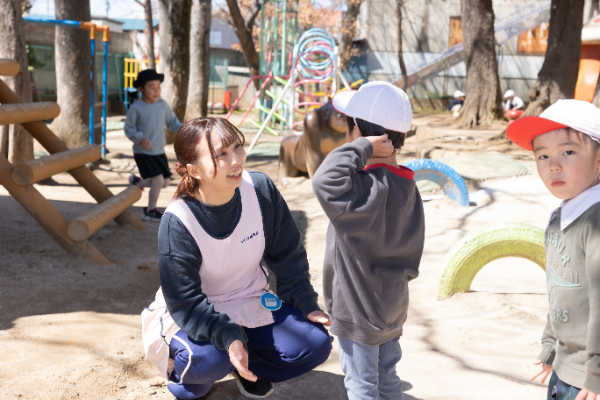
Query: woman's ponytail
[187, 185]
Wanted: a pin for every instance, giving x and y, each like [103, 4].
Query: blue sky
[117, 8]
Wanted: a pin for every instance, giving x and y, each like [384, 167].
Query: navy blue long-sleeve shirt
[454, 102]
[179, 260]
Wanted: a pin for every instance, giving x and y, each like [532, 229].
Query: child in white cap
[513, 102]
[565, 140]
[374, 240]
[456, 104]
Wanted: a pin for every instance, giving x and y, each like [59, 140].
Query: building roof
[132, 24]
[113, 24]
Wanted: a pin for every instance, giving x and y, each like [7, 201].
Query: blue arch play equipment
[438, 172]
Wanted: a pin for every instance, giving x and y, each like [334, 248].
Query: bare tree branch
[140, 3]
[245, 37]
[149, 34]
[252, 14]
[348, 31]
[400, 51]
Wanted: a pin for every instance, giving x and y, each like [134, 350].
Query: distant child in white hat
[565, 140]
[513, 102]
[374, 240]
[456, 104]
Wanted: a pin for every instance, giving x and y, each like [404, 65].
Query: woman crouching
[214, 313]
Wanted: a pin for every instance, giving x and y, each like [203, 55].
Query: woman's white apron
[230, 274]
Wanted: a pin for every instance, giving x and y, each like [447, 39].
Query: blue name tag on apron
[270, 302]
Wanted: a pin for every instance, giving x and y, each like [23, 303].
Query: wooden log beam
[30, 172]
[8, 67]
[83, 227]
[82, 175]
[28, 112]
[47, 215]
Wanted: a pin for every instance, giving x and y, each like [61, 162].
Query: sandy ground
[70, 328]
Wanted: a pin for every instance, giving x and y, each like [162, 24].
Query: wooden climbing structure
[19, 179]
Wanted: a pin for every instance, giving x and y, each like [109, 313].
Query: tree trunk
[175, 52]
[243, 29]
[199, 60]
[348, 32]
[35, 95]
[423, 39]
[149, 34]
[400, 4]
[558, 77]
[72, 54]
[483, 101]
[15, 142]
[590, 9]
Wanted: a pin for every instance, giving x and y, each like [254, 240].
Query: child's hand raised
[382, 147]
[543, 371]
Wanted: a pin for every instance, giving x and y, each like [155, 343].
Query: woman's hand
[239, 358]
[543, 371]
[320, 317]
[585, 394]
[145, 143]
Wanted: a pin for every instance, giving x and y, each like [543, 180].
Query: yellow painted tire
[473, 252]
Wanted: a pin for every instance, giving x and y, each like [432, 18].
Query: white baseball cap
[379, 103]
[458, 94]
[509, 93]
[579, 115]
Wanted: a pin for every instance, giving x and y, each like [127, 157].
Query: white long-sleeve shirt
[515, 104]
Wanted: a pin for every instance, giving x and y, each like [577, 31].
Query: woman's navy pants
[288, 348]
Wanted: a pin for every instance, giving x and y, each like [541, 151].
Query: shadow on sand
[315, 385]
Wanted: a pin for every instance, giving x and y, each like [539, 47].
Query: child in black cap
[145, 127]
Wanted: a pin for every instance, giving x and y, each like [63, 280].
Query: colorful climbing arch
[453, 184]
[473, 252]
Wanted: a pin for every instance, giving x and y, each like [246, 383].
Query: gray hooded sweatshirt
[374, 243]
[571, 339]
[148, 120]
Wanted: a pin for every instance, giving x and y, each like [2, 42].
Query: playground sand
[70, 328]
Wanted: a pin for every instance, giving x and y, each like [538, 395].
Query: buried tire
[435, 171]
[470, 254]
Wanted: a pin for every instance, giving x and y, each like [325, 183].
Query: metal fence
[425, 23]
[45, 76]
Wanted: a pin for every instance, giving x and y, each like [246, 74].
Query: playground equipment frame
[94, 29]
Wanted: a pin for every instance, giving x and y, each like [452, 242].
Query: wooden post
[9, 67]
[82, 175]
[46, 215]
[83, 227]
[30, 172]
[28, 112]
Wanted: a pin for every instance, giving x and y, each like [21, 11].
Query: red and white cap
[579, 115]
[379, 103]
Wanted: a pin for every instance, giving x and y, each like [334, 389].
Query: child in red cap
[565, 140]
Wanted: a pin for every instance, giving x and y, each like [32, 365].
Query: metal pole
[292, 116]
[262, 34]
[119, 87]
[268, 118]
[284, 21]
[104, 97]
[92, 84]
[262, 68]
